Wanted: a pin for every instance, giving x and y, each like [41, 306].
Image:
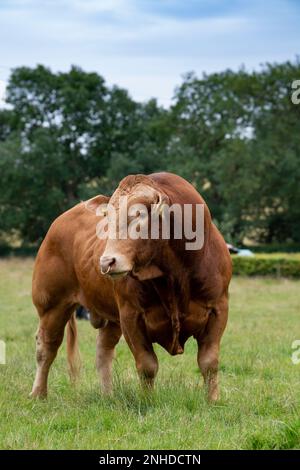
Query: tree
[66, 128]
[243, 132]
[234, 135]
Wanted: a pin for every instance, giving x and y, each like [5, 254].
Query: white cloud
[137, 47]
[96, 6]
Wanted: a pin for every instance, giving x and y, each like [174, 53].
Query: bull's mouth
[117, 274]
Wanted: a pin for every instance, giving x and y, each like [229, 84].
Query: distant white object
[239, 251]
[2, 353]
[244, 252]
[232, 249]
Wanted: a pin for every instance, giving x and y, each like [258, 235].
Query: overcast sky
[147, 45]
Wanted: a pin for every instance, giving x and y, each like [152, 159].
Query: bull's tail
[72, 349]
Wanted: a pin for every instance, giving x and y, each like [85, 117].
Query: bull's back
[67, 265]
[61, 255]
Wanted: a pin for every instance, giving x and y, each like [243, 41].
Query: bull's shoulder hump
[180, 187]
[83, 210]
[171, 179]
[78, 218]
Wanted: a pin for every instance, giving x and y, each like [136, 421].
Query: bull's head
[132, 245]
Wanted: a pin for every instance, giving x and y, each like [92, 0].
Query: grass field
[293, 256]
[260, 387]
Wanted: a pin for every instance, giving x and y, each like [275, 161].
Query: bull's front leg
[134, 331]
[107, 340]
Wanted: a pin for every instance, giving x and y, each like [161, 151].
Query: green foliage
[275, 248]
[266, 266]
[287, 436]
[244, 132]
[234, 135]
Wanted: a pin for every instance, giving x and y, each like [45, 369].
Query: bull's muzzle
[106, 264]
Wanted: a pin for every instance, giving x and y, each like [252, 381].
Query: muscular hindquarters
[54, 295]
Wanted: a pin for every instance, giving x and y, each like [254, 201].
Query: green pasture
[260, 386]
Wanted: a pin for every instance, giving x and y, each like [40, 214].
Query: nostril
[106, 263]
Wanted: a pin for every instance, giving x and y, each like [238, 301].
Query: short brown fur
[189, 298]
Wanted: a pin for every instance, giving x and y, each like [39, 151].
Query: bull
[149, 289]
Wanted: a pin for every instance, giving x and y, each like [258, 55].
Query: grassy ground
[260, 386]
[295, 256]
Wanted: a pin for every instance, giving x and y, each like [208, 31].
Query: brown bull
[152, 290]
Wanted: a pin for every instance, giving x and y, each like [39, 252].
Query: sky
[146, 46]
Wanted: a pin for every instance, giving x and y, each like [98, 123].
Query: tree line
[68, 136]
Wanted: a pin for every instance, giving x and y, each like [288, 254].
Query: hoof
[38, 394]
[214, 398]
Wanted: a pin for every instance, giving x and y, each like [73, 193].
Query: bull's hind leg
[107, 340]
[209, 347]
[48, 339]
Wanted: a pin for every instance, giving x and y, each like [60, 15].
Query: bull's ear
[97, 204]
